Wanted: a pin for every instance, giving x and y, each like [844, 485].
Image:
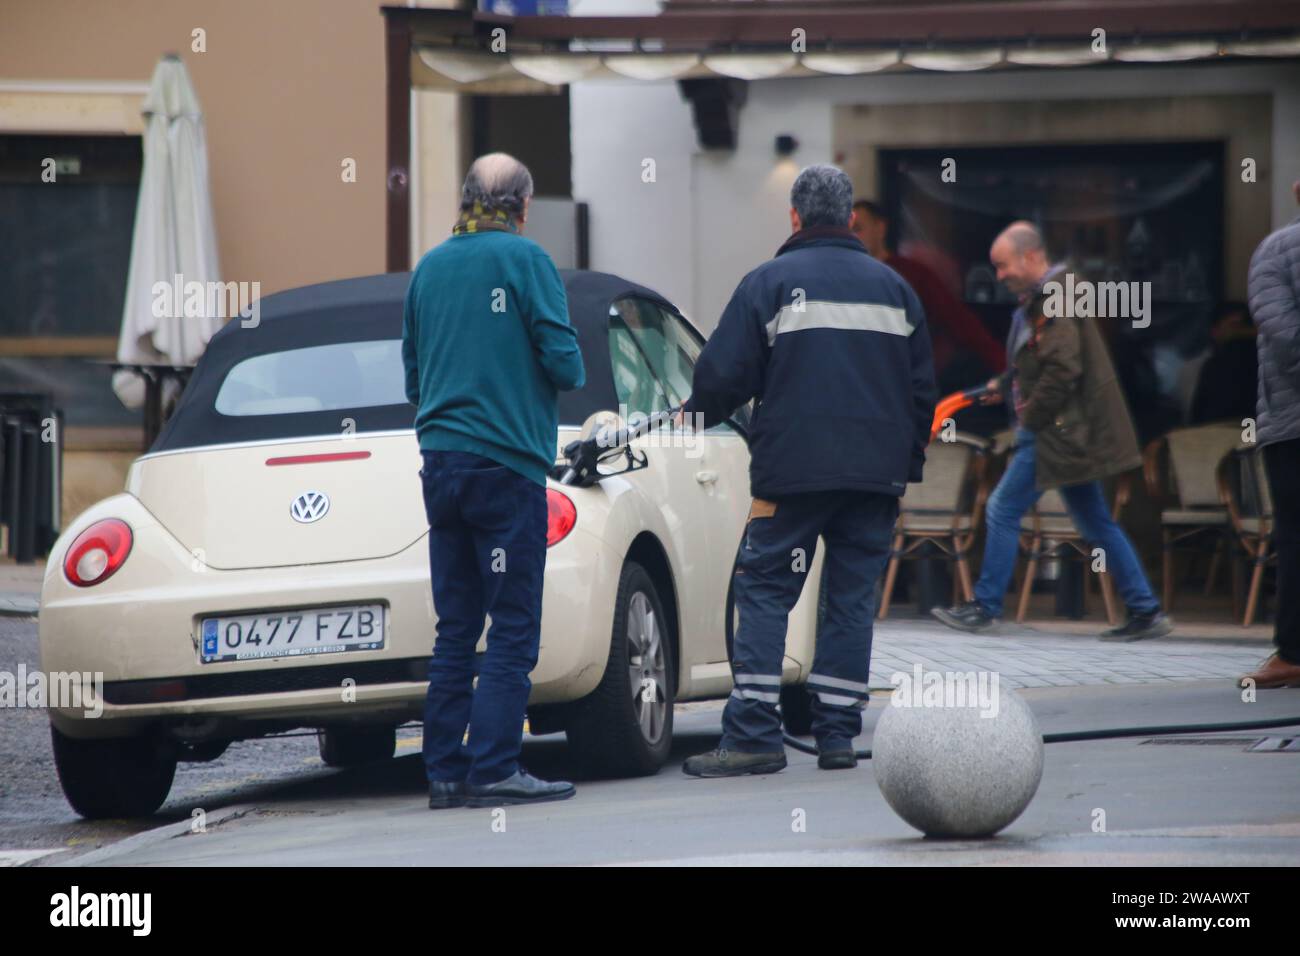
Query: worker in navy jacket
[833, 348]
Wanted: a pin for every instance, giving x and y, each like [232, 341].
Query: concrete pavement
[1173, 803]
[1177, 800]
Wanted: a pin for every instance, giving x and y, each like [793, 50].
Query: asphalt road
[1209, 800]
[33, 813]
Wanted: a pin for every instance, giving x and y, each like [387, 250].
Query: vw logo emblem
[310, 506]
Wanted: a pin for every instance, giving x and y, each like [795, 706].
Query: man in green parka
[1072, 429]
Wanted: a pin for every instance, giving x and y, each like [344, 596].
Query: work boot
[969, 616]
[1273, 672]
[519, 788]
[1140, 627]
[837, 759]
[733, 763]
[446, 794]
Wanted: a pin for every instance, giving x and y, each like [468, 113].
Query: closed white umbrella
[174, 236]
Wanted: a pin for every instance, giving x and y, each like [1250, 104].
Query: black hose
[1068, 736]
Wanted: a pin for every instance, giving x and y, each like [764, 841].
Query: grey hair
[822, 195]
[497, 181]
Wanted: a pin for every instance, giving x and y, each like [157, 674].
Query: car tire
[618, 729]
[114, 778]
[356, 745]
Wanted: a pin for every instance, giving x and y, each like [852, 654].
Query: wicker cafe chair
[1049, 521]
[1181, 473]
[1243, 488]
[942, 511]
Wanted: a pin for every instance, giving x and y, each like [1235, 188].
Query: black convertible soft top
[359, 310]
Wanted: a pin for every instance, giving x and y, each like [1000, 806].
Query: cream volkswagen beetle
[266, 567]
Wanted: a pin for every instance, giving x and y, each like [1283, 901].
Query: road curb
[106, 854]
[18, 604]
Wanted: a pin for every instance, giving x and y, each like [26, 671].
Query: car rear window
[318, 378]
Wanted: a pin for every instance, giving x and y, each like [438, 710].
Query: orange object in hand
[950, 405]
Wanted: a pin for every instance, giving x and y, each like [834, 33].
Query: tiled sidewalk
[1025, 657]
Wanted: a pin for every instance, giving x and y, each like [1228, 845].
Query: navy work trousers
[775, 556]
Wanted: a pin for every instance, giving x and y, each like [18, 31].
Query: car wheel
[354, 746]
[125, 777]
[625, 726]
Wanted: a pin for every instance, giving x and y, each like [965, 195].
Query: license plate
[325, 630]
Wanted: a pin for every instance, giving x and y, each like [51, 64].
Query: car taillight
[97, 552]
[561, 516]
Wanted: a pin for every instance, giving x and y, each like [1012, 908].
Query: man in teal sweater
[486, 343]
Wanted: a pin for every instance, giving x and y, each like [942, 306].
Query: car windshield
[315, 379]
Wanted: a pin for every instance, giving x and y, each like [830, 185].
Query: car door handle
[706, 477]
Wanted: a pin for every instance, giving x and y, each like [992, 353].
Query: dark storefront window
[64, 251]
[1134, 213]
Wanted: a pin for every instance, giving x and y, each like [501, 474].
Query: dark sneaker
[837, 759]
[969, 616]
[732, 763]
[522, 787]
[1140, 627]
[444, 795]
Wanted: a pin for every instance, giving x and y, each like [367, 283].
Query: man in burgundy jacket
[954, 328]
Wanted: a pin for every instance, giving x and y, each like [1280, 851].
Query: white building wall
[709, 217]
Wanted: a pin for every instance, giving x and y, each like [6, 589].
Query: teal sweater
[487, 344]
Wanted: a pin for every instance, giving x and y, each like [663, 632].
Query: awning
[468, 52]
[457, 68]
[711, 42]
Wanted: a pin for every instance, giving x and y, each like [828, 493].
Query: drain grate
[1254, 745]
[1277, 745]
[1205, 741]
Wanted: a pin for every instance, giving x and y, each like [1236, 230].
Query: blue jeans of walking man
[1015, 494]
[487, 554]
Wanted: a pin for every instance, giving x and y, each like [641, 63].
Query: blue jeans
[774, 560]
[1012, 499]
[487, 554]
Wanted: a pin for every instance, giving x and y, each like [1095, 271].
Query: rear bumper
[141, 625]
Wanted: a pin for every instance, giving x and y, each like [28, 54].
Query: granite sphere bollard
[955, 754]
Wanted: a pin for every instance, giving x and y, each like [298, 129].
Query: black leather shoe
[837, 759]
[970, 617]
[1140, 627]
[521, 787]
[445, 795]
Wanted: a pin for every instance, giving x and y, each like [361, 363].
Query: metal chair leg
[1168, 571]
[1213, 573]
[890, 574]
[1030, 569]
[1256, 579]
[1108, 596]
[963, 572]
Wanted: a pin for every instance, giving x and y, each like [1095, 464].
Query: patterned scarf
[479, 219]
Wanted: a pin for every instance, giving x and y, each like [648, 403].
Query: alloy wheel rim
[647, 668]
